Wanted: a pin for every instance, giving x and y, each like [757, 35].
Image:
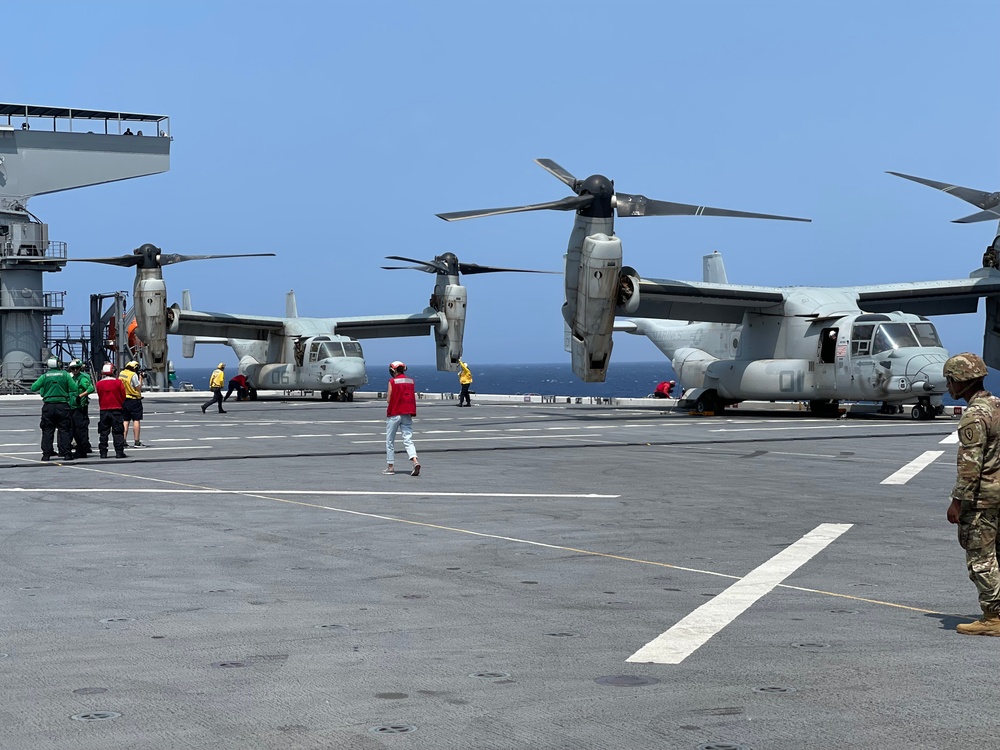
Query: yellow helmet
[222, 365]
[132, 365]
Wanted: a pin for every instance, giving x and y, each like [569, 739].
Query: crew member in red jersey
[111, 396]
[402, 408]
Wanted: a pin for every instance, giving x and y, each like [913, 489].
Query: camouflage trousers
[977, 533]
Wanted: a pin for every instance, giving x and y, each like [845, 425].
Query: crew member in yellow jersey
[215, 385]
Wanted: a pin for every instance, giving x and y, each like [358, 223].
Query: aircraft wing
[388, 326]
[701, 301]
[931, 297]
[221, 325]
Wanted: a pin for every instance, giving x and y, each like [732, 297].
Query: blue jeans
[403, 423]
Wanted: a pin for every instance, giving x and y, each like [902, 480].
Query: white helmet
[396, 367]
[52, 363]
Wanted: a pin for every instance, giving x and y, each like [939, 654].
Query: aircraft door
[826, 363]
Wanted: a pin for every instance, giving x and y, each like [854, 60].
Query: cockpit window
[325, 350]
[926, 334]
[893, 336]
[353, 349]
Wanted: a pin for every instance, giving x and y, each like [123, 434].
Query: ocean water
[625, 379]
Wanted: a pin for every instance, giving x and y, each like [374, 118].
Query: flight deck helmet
[396, 367]
[52, 363]
[76, 364]
[222, 366]
[108, 369]
[965, 367]
[132, 365]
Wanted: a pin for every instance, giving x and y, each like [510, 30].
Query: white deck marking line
[421, 439]
[694, 630]
[128, 447]
[258, 495]
[808, 427]
[348, 493]
[913, 468]
[952, 438]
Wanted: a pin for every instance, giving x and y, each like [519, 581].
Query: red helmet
[108, 369]
[397, 366]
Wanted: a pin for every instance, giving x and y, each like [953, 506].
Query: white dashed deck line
[694, 630]
[913, 468]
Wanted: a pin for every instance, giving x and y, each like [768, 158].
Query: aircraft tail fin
[291, 308]
[713, 269]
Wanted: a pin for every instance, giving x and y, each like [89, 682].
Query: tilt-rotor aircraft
[729, 343]
[323, 354]
[149, 298]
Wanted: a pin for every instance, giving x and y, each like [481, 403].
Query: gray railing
[33, 298]
[52, 250]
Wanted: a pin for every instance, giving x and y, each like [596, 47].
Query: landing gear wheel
[917, 412]
[325, 395]
[350, 395]
[252, 395]
[705, 404]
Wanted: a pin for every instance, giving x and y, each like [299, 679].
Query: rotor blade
[469, 268]
[571, 203]
[990, 214]
[168, 259]
[121, 260]
[408, 268]
[978, 198]
[557, 171]
[432, 266]
[640, 205]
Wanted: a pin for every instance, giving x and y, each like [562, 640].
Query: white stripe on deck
[913, 468]
[693, 631]
[950, 439]
[331, 493]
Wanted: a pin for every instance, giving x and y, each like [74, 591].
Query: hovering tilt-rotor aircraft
[322, 354]
[730, 343]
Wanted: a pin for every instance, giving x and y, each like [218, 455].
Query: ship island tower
[47, 150]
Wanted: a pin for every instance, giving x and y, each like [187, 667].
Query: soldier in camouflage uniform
[975, 500]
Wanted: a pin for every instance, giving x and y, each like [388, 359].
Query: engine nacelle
[150, 307]
[450, 302]
[594, 317]
[691, 365]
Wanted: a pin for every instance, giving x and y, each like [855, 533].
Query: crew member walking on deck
[111, 398]
[975, 499]
[465, 380]
[57, 388]
[79, 409]
[131, 377]
[400, 411]
[215, 383]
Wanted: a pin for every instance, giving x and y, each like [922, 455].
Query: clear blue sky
[332, 132]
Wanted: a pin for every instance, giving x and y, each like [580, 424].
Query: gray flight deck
[251, 580]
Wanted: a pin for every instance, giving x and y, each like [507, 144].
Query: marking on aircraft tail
[694, 630]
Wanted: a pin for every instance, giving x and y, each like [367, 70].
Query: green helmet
[965, 367]
[76, 364]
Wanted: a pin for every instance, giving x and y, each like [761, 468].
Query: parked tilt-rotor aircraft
[321, 354]
[730, 343]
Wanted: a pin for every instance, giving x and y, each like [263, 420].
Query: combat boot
[988, 625]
